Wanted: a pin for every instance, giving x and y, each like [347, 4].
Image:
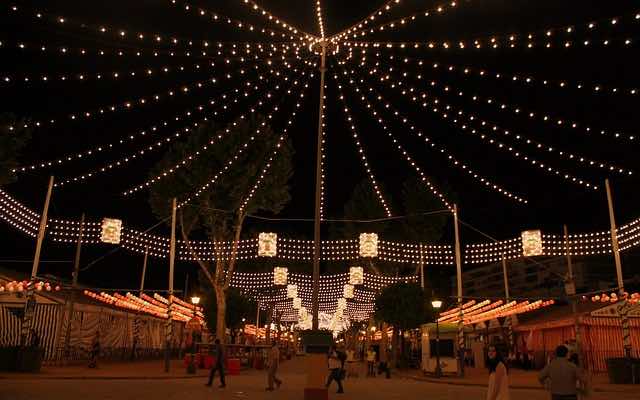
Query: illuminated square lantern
[111, 230]
[532, 243]
[348, 291]
[292, 291]
[342, 304]
[356, 276]
[368, 245]
[280, 276]
[267, 244]
[297, 303]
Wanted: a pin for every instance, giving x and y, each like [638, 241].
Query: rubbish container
[624, 370]
[233, 366]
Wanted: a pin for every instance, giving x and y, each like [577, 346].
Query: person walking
[498, 377]
[351, 363]
[561, 377]
[219, 365]
[371, 361]
[384, 362]
[273, 363]
[95, 351]
[335, 370]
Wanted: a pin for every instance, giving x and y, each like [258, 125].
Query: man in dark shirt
[219, 365]
[561, 376]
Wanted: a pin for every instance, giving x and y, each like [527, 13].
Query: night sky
[552, 201]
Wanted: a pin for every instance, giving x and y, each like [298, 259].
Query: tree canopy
[12, 141]
[403, 305]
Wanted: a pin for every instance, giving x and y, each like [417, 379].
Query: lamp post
[436, 306]
[195, 300]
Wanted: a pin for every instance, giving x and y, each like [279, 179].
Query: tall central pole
[316, 228]
[458, 254]
[172, 260]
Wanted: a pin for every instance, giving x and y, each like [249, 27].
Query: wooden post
[509, 318]
[461, 346]
[623, 309]
[144, 269]
[316, 227]
[74, 285]
[257, 320]
[571, 291]
[30, 303]
[172, 259]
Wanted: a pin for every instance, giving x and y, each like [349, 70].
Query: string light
[526, 79]
[223, 101]
[431, 144]
[423, 177]
[401, 22]
[447, 113]
[215, 17]
[518, 110]
[274, 153]
[194, 155]
[320, 22]
[231, 160]
[361, 153]
[302, 35]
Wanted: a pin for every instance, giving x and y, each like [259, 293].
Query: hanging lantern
[267, 244]
[292, 291]
[342, 304]
[356, 276]
[368, 245]
[297, 303]
[280, 276]
[348, 291]
[532, 243]
[111, 230]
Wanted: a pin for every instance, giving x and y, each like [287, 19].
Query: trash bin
[624, 370]
[233, 366]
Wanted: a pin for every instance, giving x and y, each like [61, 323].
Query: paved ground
[248, 385]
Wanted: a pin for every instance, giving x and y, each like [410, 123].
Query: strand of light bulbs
[361, 153]
[145, 72]
[523, 78]
[215, 17]
[320, 21]
[274, 153]
[383, 9]
[64, 50]
[543, 116]
[323, 153]
[423, 177]
[222, 100]
[517, 110]
[431, 144]
[228, 163]
[448, 114]
[302, 35]
[194, 155]
[117, 33]
[405, 21]
[126, 159]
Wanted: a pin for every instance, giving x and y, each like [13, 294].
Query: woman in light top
[498, 378]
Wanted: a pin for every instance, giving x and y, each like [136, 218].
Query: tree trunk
[221, 304]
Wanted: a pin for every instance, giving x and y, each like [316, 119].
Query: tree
[216, 212]
[239, 307]
[13, 138]
[422, 223]
[403, 306]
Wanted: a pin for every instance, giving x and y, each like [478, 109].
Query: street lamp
[195, 300]
[436, 306]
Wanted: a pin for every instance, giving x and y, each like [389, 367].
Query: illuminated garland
[383, 9]
[430, 143]
[448, 114]
[543, 116]
[361, 152]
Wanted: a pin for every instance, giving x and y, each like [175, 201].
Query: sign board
[532, 243]
[111, 230]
